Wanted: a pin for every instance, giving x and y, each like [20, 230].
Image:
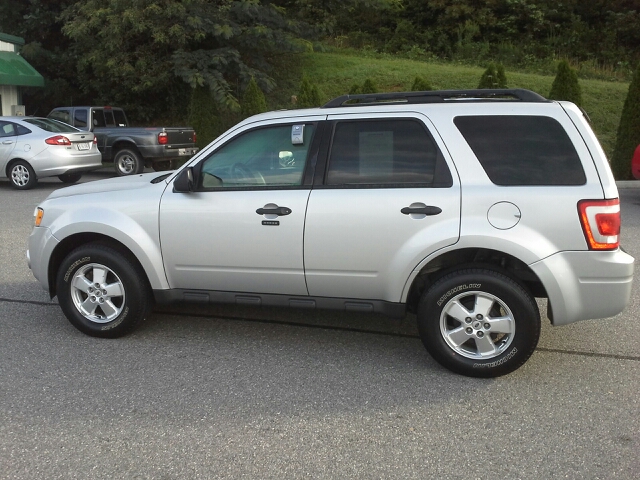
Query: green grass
[334, 73]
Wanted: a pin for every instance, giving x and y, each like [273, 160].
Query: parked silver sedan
[33, 148]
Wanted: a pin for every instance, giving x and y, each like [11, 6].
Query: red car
[635, 163]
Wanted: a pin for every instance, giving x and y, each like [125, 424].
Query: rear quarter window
[519, 150]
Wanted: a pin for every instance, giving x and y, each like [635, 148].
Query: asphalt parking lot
[228, 392]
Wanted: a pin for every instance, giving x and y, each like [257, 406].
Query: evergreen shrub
[628, 131]
[566, 86]
[253, 101]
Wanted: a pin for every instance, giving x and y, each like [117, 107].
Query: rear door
[385, 198]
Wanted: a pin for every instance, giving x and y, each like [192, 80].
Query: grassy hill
[334, 73]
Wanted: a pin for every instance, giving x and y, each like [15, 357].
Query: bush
[253, 101]
[628, 131]
[308, 96]
[501, 76]
[493, 77]
[420, 85]
[368, 87]
[566, 86]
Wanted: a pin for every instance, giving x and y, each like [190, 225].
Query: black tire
[127, 162]
[118, 306]
[70, 177]
[479, 323]
[22, 176]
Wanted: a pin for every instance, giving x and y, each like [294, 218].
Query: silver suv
[460, 206]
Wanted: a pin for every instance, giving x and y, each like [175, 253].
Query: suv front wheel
[101, 292]
[479, 323]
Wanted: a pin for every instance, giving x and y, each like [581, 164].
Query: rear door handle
[426, 210]
[7, 142]
[279, 211]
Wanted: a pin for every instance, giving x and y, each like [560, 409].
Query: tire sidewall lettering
[500, 361]
[74, 266]
[117, 321]
[459, 288]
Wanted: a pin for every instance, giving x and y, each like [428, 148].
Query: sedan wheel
[22, 175]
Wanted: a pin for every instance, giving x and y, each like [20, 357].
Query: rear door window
[385, 152]
[522, 150]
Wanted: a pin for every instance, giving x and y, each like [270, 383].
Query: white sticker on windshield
[297, 134]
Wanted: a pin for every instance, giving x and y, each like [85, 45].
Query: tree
[565, 86]
[420, 85]
[253, 101]
[204, 116]
[131, 52]
[628, 137]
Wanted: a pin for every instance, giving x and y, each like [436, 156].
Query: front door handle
[426, 210]
[279, 211]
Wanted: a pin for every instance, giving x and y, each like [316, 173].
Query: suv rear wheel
[479, 323]
[101, 292]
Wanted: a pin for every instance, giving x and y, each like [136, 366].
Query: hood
[133, 182]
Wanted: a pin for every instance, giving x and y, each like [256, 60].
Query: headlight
[38, 214]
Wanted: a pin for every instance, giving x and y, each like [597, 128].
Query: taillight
[600, 221]
[163, 138]
[58, 140]
[195, 138]
[95, 140]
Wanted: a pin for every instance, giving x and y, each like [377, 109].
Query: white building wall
[9, 95]
[7, 47]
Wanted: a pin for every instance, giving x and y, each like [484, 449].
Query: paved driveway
[231, 392]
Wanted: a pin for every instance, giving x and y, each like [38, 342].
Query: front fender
[138, 234]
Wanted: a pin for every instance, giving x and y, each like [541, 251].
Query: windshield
[50, 125]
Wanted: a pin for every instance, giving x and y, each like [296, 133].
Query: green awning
[14, 70]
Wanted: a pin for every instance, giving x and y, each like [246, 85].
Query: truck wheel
[22, 175]
[161, 165]
[70, 177]
[101, 292]
[479, 323]
[127, 162]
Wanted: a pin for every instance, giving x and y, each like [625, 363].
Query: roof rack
[436, 96]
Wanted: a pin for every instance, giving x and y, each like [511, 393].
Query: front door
[242, 230]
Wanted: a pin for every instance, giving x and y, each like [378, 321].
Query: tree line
[141, 54]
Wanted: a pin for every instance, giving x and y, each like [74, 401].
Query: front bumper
[586, 285]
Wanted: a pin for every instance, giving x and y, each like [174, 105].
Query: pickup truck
[130, 148]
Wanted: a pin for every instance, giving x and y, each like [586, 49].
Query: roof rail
[435, 96]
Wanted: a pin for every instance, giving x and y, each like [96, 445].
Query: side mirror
[184, 181]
